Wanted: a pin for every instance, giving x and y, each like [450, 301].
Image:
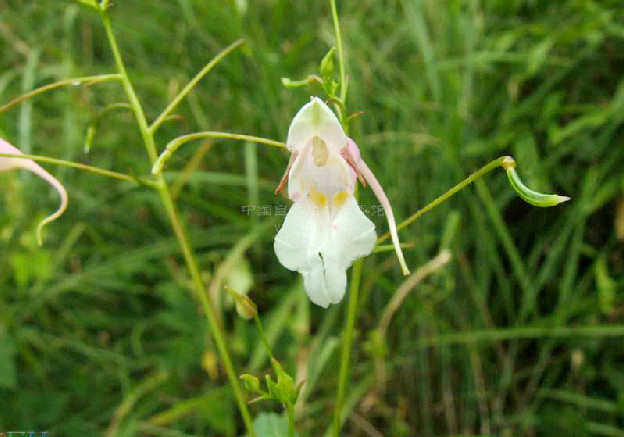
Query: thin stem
[59, 84]
[202, 294]
[291, 420]
[347, 341]
[189, 87]
[176, 143]
[476, 175]
[79, 166]
[356, 274]
[403, 291]
[139, 114]
[341, 63]
[179, 231]
[211, 134]
[263, 336]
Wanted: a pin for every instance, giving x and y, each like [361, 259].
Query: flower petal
[301, 236]
[316, 119]
[315, 284]
[352, 236]
[322, 249]
[334, 177]
[297, 186]
[8, 163]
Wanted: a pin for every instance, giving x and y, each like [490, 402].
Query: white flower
[8, 163]
[325, 231]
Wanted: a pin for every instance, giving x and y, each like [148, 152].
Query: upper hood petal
[316, 119]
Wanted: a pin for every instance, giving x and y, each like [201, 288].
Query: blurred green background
[520, 335]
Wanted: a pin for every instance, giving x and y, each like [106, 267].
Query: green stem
[347, 340]
[202, 294]
[347, 336]
[341, 63]
[79, 166]
[179, 231]
[148, 138]
[263, 336]
[291, 421]
[59, 84]
[189, 87]
[476, 175]
[176, 143]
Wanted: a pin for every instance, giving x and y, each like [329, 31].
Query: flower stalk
[178, 142]
[508, 164]
[83, 167]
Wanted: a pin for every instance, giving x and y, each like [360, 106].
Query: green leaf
[606, 287]
[539, 54]
[270, 425]
[327, 65]
[90, 3]
[251, 383]
[30, 265]
[274, 391]
[285, 385]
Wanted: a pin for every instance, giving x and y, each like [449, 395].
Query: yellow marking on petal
[339, 199]
[318, 198]
[320, 152]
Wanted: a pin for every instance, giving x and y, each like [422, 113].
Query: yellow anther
[320, 152]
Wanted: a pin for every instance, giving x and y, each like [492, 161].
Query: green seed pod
[528, 195]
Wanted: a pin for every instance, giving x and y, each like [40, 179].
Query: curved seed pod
[532, 197]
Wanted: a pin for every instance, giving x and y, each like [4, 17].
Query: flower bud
[251, 383]
[245, 307]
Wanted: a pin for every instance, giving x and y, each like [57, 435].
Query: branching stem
[178, 228]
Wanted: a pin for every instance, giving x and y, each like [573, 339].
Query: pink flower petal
[10, 163]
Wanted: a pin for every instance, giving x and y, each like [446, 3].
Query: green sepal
[251, 383]
[274, 391]
[285, 384]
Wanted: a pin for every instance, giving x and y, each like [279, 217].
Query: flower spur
[10, 163]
